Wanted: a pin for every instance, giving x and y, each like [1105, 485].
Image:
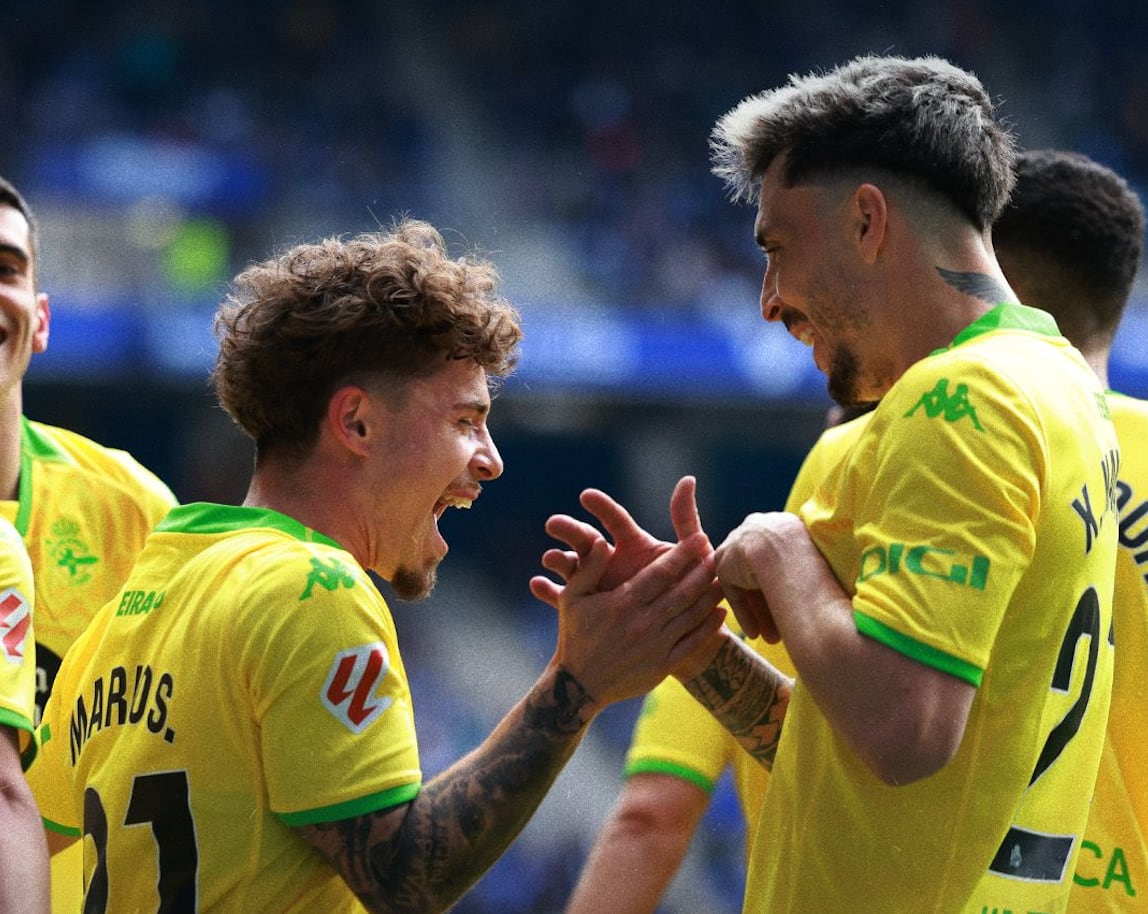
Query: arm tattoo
[423, 857]
[747, 695]
[977, 285]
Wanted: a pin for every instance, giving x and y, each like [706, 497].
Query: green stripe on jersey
[384, 799]
[918, 651]
[682, 772]
[205, 517]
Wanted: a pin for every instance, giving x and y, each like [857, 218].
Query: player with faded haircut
[946, 598]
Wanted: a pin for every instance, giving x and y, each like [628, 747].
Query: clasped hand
[632, 608]
[751, 562]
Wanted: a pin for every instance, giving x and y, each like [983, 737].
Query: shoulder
[1008, 381]
[1127, 411]
[113, 468]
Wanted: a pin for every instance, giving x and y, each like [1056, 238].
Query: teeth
[457, 502]
[806, 336]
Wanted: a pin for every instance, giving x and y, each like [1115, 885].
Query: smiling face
[23, 311]
[437, 453]
[811, 281]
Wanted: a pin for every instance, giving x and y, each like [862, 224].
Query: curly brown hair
[379, 306]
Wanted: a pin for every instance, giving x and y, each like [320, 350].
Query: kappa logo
[951, 407]
[354, 677]
[329, 575]
[15, 621]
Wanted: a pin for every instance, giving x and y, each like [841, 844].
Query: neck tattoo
[978, 285]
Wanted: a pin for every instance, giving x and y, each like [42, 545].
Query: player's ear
[349, 418]
[869, 211]
[43, 320]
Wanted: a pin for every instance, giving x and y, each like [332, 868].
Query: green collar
[1006, 316]
[205, 517]
[33, 446]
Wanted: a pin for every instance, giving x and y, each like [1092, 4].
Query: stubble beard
[412, 584]
[842, 378]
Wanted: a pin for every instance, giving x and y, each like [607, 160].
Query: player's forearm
[747, 695]
[23, 851]
[903, 718]
[626, 875]
[464, 818]
[641, 846]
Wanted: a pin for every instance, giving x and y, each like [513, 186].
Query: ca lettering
[1116, 876]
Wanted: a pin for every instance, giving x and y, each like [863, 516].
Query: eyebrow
[15, 251]
[477, 406]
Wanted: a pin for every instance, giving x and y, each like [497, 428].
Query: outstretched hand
[634, 609]
[632, 548]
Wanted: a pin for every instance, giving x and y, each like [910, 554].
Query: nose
[770, 300]
[486, 464]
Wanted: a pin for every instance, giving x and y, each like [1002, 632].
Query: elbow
[904, 768]
[905, 754]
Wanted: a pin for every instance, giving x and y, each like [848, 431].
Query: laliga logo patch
[15, 620]
[349, 692]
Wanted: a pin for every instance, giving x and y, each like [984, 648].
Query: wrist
[701, 659]
[564, 705]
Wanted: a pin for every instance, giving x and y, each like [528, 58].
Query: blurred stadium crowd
[164, 144]
[570, 138]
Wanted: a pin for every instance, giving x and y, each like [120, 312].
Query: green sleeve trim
[60, 829]
[360, 807]
[922, 653]
[10, 718]
[682, 772]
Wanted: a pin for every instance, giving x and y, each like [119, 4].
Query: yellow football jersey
[17, 646]
[1112, 870]
[974, 523]
[821, 464]
[84, 511]
[247, 679]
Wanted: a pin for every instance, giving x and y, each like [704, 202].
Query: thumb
[684, 508]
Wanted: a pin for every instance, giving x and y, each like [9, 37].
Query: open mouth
[453, 501]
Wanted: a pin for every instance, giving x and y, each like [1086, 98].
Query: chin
[411, 584]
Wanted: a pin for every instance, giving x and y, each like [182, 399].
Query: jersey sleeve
[946, 520]
[17, 641]
[675, 735]
[50, 775]
[329, 693]
[823, 460]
